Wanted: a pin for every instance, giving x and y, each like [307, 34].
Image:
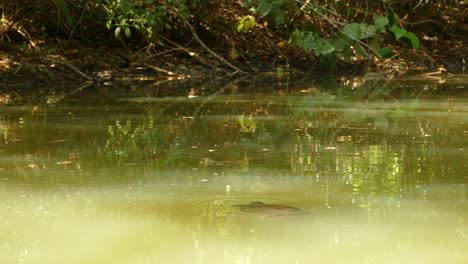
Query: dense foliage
[327, 29]
[331, 29]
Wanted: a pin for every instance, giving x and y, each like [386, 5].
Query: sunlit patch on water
[148, 223]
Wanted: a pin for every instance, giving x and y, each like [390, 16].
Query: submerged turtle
[261, 208]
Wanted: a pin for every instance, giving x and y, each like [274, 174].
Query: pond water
[168, 176]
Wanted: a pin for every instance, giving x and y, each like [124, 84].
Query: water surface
[131, 178]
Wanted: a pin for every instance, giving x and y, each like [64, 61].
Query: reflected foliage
[130, 140]
[348, 140]
[369, 146]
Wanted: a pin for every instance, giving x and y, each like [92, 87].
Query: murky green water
[129, 178]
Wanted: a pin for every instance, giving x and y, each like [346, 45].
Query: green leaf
[245, 23]
[240, 27]
[264, 8]
[392, 19]
[380, 22]
[117, 32]
[323, 46]
[385, 53]
[108, 24]
[398, 31]
[308, 42]
[341, 42]
[409, 37]
[413, 39]
[127, 32]
[353, 30]
[298, 37]
[367, 31]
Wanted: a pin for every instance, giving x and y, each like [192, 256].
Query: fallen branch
[130, 58]
[73, 68]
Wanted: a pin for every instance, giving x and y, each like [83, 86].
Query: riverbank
[217, 50]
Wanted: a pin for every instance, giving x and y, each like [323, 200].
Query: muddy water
[171, 179]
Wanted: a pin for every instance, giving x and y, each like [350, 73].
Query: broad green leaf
[367, 31]
[398, 31]
[308, 43]
[380, 22]
[353, 31]
[341, 42]
[414, 40]
[264, 8]
[322, 47]
[385, 53]
[409, 37]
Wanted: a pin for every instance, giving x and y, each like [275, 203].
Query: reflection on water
[235, 178]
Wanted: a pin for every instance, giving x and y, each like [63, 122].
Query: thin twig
[214, 54]
[147, 58]
[72, 31]
[189, 52]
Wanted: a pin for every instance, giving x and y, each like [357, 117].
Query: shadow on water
[274, 210]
